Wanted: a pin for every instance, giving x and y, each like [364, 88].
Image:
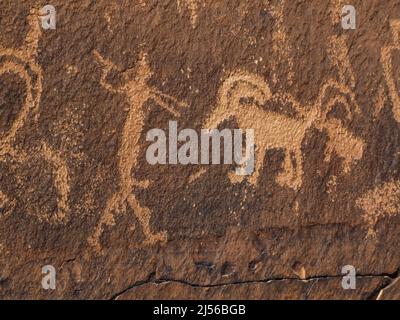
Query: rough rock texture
[76, 191]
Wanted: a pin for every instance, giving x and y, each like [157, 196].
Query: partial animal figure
[274, 130]
[392, 76]
[22, 63]
[382, 201]
[138, 92]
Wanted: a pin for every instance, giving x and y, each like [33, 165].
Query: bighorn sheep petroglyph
[274, 130]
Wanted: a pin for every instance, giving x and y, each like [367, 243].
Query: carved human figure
[138, 92]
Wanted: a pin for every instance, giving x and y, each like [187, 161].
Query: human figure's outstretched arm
[108, 65]
[167, 102]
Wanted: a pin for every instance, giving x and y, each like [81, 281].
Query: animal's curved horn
[12, 67]
[240, 84]
[245, 85]
[23, 64]
[343, 94]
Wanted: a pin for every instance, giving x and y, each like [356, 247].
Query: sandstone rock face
[78, 193]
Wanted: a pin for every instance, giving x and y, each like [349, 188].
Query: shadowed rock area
[76, 189]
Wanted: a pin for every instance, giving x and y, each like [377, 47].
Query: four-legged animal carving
[275, 130]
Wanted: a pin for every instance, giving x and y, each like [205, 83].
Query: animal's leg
[252, 176]
[143, 214]
[285, 178]
[234, 177]
[258, 164]
[217, 116]
[298, 181]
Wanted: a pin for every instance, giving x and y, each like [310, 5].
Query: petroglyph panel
[77, 191]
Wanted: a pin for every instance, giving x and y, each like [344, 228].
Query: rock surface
[77, 193]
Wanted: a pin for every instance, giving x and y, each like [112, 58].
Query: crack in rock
[151, 280]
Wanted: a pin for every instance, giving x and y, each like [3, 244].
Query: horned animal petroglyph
[277, 131]
[138, 92]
